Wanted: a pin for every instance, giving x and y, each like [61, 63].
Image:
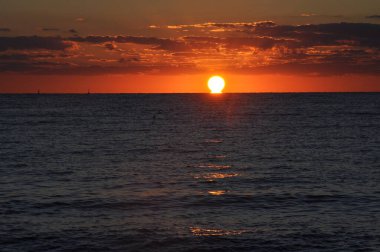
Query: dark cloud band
[259, 47]
[34, 43]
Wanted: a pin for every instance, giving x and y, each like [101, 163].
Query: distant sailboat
[88, 91]
[38, 91]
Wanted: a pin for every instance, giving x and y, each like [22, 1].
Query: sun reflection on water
[216, 176]
[214, 141]
[197, 231]
[217, 193]
[215, 166]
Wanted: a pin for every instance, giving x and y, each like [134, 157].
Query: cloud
[34, 43]
[185, 43]
[257, 42]
[360, 34]
[250, 48]
[365, 34]
[125, 60]
[159, 43]
[14, 57]
[224, 26]
[73, 31]
[5, 30]
[26, 56]
[308, 15]
[50, 68]
[50, 29]
[373, 17]
[110, 46]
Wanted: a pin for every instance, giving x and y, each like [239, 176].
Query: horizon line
[184, 93]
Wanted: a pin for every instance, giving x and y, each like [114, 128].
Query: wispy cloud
[308, 15]
[50, 29]
[34, 43]
[373, 17]
[80, 19]
[73, 31]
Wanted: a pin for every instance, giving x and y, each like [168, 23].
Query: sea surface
[194, 172]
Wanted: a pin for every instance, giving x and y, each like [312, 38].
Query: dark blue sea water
[232, 172]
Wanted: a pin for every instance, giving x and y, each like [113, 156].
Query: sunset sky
[164, 46]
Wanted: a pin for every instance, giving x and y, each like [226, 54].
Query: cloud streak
[374, 17]
[34, 43]
[50, 29]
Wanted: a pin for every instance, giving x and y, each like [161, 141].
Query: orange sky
[187, 84]
[169, 46]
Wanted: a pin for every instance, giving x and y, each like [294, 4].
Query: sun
[216, 84]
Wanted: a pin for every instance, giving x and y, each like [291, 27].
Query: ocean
[190, 172]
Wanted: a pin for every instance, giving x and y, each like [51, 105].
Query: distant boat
[88, 92]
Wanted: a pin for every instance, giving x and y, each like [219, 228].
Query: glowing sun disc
[216, 84]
